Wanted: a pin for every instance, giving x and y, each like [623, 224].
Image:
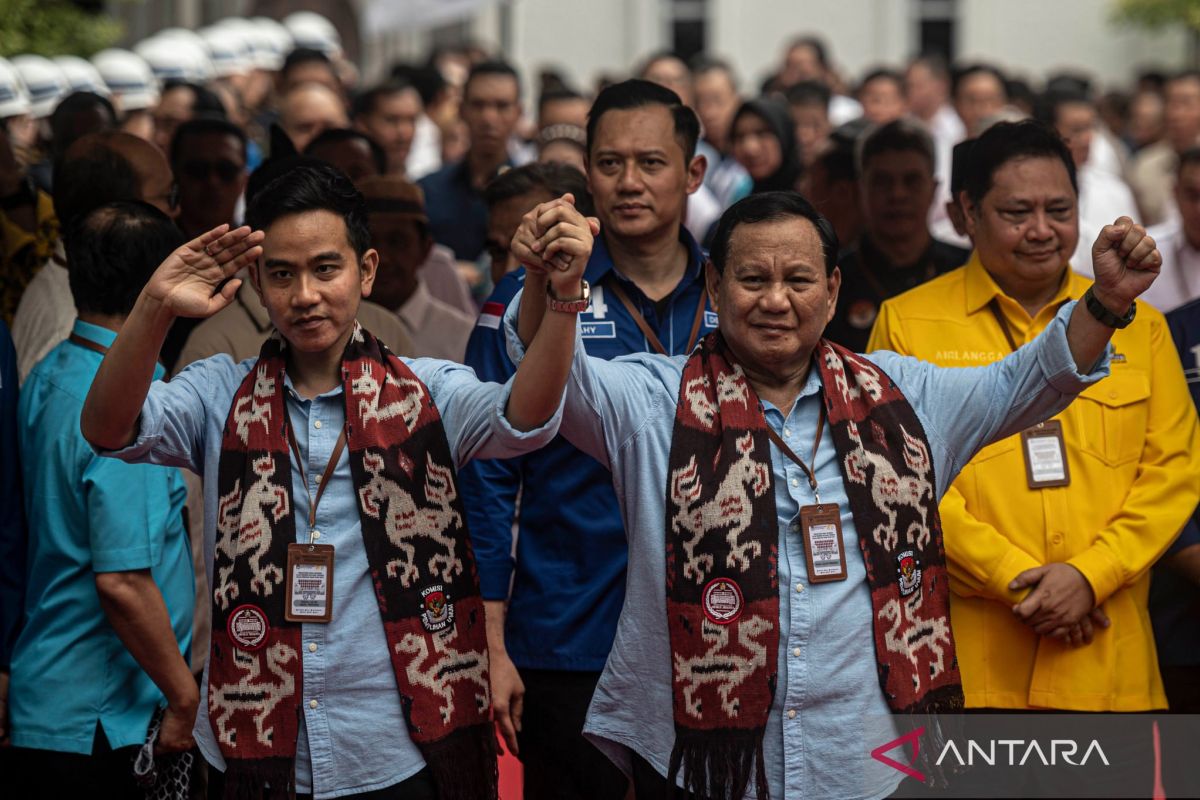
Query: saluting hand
[1125, 261]
[197, 279]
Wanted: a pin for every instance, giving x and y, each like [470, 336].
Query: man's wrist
[568, 296]
[1118, 307]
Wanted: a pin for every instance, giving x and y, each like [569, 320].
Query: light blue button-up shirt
[353, 737]
[825, 718]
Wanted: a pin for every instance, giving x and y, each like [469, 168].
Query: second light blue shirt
[828, 707]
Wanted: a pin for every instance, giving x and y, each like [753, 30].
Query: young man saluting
[348, 648]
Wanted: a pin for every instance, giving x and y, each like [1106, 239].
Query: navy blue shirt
[568, 577]
[1174, 602]
[457, 212]
[12, 505]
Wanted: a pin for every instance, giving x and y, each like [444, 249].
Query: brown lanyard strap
[329, 468]
[809, 472]
[994, 307]
[75, 338]
[645, 328]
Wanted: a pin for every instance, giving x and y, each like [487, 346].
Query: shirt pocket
[1112, 417]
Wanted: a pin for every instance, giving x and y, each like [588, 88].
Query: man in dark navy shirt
[895, 251]
[491, 108]
[568, 576]
[1175, 587]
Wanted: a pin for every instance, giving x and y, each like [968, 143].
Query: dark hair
[1047, 106]
[365, 103]
[962, 73]
[90, 179]
[771, 207]
[426, 80]
[304, 55]
[809, 93]
[1006, 141]
[556, 179]
[816, 44]
[1188, 158]
[777, 117]
[1182, 75]
[702, 64]
[901, 135]
[637, 93]
[202, 126]
[206, 103]
[958, 166]
[310, 187]
[837, 159]
[483, 68]
[113, 249]
[332, 137]
[63, 131]
[882, 73]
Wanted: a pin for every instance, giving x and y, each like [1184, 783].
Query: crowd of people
[606, 475]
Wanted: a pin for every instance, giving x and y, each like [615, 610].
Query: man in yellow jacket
[1050, 534]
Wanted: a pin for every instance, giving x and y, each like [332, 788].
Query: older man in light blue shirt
[776, 287]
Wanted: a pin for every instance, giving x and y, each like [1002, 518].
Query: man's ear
[696, 171]
[367, 267]
[426, 249]
[712, 283]
[255, 279]
[970, 213]
[834, 282]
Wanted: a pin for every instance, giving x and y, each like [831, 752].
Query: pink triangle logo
[913, 737]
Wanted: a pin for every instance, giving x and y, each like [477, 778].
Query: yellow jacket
[1133, 452]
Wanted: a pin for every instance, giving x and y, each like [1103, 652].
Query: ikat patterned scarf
[722, 553]
[415, 534]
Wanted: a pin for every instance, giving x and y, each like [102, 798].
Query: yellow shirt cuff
[1102, 570]
[1015, 562]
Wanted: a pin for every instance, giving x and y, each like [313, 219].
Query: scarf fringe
[464, 764]
[718, 765]
[260, 779]
[940, 716]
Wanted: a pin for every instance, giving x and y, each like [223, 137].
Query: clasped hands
[554, 242]
[1060, 603]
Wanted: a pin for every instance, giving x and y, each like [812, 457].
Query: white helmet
[44, 81]
[228, 49]
[173, 55]
[128, 77]
[273, 44]
[81, 75]
[14, 99]
[310, 29]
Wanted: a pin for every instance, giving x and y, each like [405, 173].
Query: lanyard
[994, 307]
[809, 472]
[75, 338]
[648, 332]
[333, 459]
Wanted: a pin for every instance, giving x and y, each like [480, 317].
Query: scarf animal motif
[415, 535]
[722, 556]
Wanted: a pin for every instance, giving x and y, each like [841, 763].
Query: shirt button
[312, 648]
[317, 424]
[795, 481]
[799, 587]
[312, 703]
[791, 713]
[1056, 538]
[796, 652]
[787, 431]
[316, 534]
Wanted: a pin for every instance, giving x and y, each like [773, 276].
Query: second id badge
[1045, 455]
[309, 583]
[821, 528]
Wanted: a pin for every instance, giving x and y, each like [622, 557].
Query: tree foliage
[1159, 13]
[53, 27]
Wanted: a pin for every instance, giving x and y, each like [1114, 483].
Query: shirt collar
[812, 386]
[104, 338]
[601, 263]
[982, 288]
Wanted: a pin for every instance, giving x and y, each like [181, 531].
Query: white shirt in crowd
[1102, 198]
[1179, 280]
[45, 314]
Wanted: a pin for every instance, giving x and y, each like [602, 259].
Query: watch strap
[1103, 315]
[575, 306]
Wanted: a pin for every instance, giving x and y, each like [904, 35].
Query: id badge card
[1045, 455]
[309, 583]
[821, 528]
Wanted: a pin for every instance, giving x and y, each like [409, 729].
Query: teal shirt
[88, 514]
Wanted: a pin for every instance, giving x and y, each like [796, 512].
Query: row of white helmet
[31, 84]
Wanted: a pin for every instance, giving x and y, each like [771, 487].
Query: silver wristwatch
[569, 306]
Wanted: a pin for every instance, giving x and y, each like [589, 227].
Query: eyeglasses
[225, 170]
